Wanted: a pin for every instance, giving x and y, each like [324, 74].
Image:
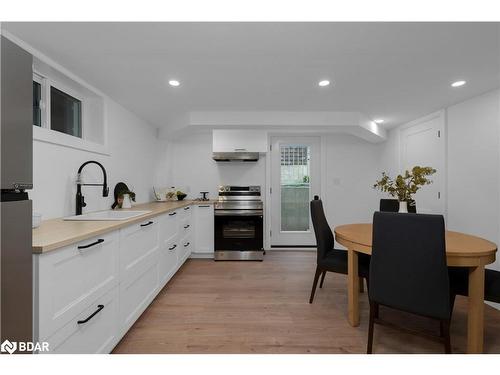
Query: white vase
[403, 207]
[127, 203]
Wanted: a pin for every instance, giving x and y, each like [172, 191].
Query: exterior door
[422, 143]
[295, 179]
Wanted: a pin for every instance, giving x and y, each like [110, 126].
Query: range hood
[235, 156]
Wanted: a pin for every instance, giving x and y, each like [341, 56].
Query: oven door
[238, 231]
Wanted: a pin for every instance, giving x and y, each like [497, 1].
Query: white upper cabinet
[239, 141]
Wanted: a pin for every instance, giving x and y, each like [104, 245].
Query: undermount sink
[108, 215]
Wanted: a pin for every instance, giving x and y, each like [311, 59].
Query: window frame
[72, 93]
[43, 100]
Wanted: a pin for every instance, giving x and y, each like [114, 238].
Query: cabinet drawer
[136, 295]
[168, 262]
[70, 278]
[185, 249]
[169, 227]
[94, 330]
[139, 245]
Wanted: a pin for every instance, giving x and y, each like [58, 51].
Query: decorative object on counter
[171, 194]
[181, 195]
[37, 219]
[160, 195]
[123, 196]
[204, 196]
[403, 187]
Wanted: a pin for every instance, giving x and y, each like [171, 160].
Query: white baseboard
[202, 256]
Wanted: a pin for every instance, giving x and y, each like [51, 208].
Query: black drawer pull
[173, 247]
[148, 223]
[100, 240]
[186, 244]
[204, 206]
[172, 214]
[99, 308]
[187, 208]
[186, 226]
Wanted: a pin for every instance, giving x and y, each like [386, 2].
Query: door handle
[100, 240]
[173, 247]
[148, 223]
[99, 308]
[187, 208]
[186, 244]
[186, 226]
[172, 214]
[204, 206]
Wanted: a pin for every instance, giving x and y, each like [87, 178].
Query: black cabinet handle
[148, 223]
[99, 308]
[187, 208]
[173, 247]
[172, 214]
[186, 244]
[204, 205]
[186, 226]
[100, 240]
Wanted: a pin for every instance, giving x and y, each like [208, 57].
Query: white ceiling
[395, 71]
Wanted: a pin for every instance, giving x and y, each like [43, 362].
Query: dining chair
[459, 283]
[408, 271]
[328, 258]
[392, 205]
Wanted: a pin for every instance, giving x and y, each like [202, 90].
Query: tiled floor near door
[262, 307]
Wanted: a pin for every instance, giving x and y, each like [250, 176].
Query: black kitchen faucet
[80, 199]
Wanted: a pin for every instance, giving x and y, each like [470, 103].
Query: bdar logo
[8, 347]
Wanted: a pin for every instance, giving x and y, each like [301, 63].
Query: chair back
[408, 265]
[324, 236]
[392, 205]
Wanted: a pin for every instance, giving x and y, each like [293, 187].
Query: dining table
[462, 250]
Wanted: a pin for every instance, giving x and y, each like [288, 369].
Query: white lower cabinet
[94, 330]
[204, 233]
[89, 294]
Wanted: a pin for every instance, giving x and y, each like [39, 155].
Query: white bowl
[37, 219]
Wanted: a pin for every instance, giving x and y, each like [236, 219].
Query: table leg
[475, 318]
[352, 288]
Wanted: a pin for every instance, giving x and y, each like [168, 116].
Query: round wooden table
[462, 250]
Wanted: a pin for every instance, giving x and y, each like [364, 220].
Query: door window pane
[37, 111]
[295, 187]
[65, 113]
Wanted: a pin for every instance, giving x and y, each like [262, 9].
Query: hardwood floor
[262, 307]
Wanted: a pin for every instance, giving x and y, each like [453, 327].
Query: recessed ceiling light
[458, 83]
[324, 83]
[174, 82]
[378, 121]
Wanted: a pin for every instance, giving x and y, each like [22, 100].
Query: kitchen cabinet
[70, 279]
[204, 229]
[239, 140]
[89, 294]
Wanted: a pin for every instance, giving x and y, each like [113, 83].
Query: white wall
[473, 157]
[473, 166]
[187, 163]
[133, 147]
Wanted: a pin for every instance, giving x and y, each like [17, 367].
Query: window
[65, 113]
[37, 98]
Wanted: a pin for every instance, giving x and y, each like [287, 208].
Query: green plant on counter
[403, 187]
[131, 194]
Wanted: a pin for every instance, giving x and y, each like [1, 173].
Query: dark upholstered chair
[392, 205]
[330, 259]
[459, 282]
[408, 270]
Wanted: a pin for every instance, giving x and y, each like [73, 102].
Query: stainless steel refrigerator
[16, 124]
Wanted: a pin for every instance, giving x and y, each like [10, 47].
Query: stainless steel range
[239, 225]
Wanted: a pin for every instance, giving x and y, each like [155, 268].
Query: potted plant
[403, 187]
[125, 198]
[181, 195]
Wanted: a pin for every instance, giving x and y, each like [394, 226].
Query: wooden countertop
[55, 233]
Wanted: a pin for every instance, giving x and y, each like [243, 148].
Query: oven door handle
[238, 212]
